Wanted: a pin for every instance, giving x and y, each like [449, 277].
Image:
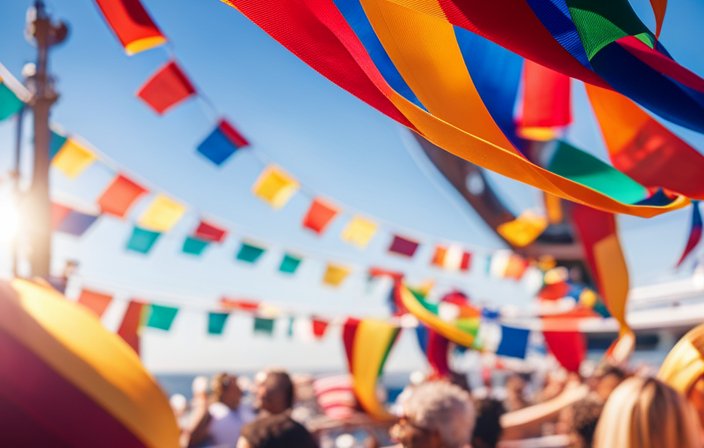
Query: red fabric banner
[568, 347]
[95, 301]
[58, 214]
[119, 196]
[348, 331]
[644, 149]
[131, 323]
[166, 88]
[210, 232]
[319, 215]
[403, 246]
[232, 134]
[319, 328]
[132, 24]
[602, 249]
[546, 102]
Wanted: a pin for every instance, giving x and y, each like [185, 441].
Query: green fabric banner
[161, 317]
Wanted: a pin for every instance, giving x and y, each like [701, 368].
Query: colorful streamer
[684, 365]
[367, 345]
[644, 149]
[430, 62]
[599, 236]
[428, 316]
[695, 232]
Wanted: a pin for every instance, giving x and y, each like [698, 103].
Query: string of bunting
[505, 339]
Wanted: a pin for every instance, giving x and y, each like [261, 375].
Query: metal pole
[38, 207]
[14, 244]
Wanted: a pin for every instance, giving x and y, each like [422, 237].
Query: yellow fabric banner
[359, 232]
[162, 214]
[275, 186]
[73, 158]
[335, 274]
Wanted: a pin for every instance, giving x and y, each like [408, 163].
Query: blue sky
[334, 144]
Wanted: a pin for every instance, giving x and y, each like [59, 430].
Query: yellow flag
[524, 229]
[73, 158]
[335, 274]
[162, 214]
[275, 186]
[359, 232]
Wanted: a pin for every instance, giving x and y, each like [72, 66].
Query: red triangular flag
[209, 232]
[132, 24]
[319, 215]
[95, 301]
[166, 88]
[129, 328]
[319, 328]
[119, 196]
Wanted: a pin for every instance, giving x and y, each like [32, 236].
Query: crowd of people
[611, 408]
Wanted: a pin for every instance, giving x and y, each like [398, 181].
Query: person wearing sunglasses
[436, 415]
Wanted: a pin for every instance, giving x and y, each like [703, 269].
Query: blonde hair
[684, 365]
[646, 413]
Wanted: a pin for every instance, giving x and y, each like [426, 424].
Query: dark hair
[277, 431]
[605, 370]
[586, 415]
[282, 381]
[487, 429]
[218, 383]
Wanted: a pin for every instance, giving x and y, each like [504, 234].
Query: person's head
[607, 379]
[224, 389]
[646, 413]
[585, 417]
[275, 431]
[437, 415]
[487, 429]
[274, 392]
[516, 384]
